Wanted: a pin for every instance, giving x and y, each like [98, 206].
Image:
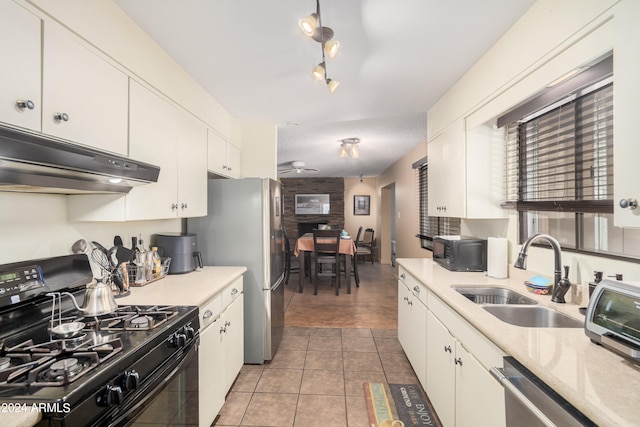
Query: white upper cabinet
[626, 92]
[223, 157]
[164, 135]
[465, 172]
[84, 97]
[20, 102]
[447, 172]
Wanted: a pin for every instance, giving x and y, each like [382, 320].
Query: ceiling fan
[298, 166]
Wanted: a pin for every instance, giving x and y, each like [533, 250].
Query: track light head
[308, 24]
[331, 48]
[319, 72]
[332, 85]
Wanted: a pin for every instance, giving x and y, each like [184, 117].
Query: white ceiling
[396, 59]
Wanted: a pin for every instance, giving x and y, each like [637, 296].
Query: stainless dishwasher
[529, 402]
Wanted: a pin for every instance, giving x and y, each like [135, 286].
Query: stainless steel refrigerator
[243, 227]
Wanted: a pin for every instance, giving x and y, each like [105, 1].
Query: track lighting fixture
[349, 146]
[311, 26]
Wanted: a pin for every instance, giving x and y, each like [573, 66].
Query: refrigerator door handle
[275, 285]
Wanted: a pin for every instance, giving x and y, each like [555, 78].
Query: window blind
[562, 158]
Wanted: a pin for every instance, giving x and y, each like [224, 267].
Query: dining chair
[326, 252]
[365, 247]
[354, 260]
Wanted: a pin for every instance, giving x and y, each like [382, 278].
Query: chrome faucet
[521, 263]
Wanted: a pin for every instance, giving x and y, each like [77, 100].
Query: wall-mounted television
[312, 204]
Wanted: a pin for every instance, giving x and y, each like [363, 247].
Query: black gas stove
[101, 374]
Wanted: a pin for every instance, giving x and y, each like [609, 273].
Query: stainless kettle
[98, 299]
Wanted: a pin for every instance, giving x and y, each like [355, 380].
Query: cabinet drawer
[210, 311]
[414, 285]
[231, 292]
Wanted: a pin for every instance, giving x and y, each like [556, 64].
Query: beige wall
[407, 205]
[353, 187]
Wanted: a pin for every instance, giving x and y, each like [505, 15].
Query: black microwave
[460, 253]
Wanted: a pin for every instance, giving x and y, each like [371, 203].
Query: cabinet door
[233, 161]
[626, 91]
[478, 395]
[412, 330]
[20, 74]
[90, 91]
[211, 370]
[217, 153]
[233, 318]
[192, 166]
[153, 139]
[404, 318]
[441, 387]
[447, 172]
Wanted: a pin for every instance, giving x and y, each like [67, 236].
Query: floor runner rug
[398, 405]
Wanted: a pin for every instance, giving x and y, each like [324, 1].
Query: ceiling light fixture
[349, 146]
[311, 26]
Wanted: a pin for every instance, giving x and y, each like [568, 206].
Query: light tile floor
[331, 346]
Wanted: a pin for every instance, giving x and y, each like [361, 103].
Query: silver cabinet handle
[183, 206]
[174, 206]
[224, 167]
[629, 203]
[406, 298]
[499, 375]
[60, 117]
[447, 348]
[234, 291]
[227, 323]
[222, 329]
[402, 276]
[458, 361]
[23, 104]
[410, 302]
[416, 288]
[207, 314]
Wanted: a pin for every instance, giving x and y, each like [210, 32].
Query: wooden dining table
[305, 244]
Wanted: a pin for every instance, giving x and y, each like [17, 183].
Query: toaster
[613, 317]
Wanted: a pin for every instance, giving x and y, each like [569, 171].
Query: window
[430, 225]
[559, 169]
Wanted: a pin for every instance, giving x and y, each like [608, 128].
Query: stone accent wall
[332, 186]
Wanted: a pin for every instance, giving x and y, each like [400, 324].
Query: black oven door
[171, 399]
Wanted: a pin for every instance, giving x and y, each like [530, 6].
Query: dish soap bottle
[597, 278]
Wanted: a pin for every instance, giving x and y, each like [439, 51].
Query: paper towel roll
[497, 257]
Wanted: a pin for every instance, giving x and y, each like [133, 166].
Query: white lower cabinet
[461, 389]
[221, 354]
[450, 357]
[412, 329]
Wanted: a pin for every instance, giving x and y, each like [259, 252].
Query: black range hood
[32, 162]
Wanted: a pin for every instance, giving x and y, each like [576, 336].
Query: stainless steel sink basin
[493, 295]
[532, 316]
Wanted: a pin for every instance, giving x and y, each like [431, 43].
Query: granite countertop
[194, 288]
[601, 384]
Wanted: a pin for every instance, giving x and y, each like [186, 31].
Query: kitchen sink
[532, 316]
[493, 295]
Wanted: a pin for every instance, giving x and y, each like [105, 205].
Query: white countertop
[601, 384]
[195, 288]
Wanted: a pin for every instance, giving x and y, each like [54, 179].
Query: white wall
[35, 226]
[259, 139]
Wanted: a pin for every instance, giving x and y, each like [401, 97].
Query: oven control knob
[178, 340]
[111, 395]
[189, 332]
[130, 380]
